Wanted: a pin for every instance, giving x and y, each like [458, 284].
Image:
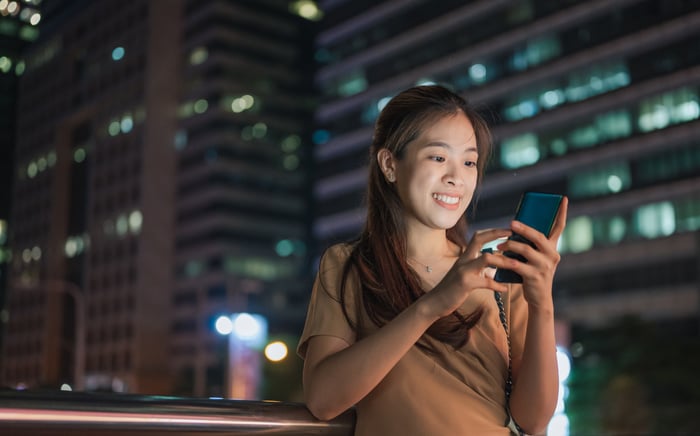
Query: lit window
[127, 123]
[383, 102]
[32, 169]
[655, 220]
[194, 268]
[520, 151]
[118, 53]
[284, 248]
[135, 221]
[19, 68]
[617, 228]
[321, 136]
[583, 137]
[352, 84]
[186, 109]
[114, 128]
[180, 140]
[51, 158]
[477, 72]
[201, 106]
[242, 103]
[291, 143]
[71, 247]
[79, 155]
[425, 82]
[552, 98]
[198, 55]
[5, 64]
[306, 9]
[122, 225]
[610, 178]
[259, 130]
[579, 234]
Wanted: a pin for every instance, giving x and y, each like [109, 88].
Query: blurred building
[18, 28]
[598, 100]
[160, 182]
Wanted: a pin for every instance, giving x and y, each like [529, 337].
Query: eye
[437, 158]
[470, 164]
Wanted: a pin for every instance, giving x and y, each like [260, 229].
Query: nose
[453, 176]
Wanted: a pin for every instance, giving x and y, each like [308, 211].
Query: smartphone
[537, 210]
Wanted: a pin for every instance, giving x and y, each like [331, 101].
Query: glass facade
[594, 100]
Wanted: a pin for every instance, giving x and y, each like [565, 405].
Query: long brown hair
[388, 284]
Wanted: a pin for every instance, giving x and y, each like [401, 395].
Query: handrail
[67, 413]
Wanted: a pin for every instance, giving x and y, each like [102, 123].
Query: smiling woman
[406, 322]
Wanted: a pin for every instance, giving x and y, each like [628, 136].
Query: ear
[387, 163]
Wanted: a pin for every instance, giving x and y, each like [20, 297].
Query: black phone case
[537, 210]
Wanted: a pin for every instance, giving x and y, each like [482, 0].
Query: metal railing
[77, 413]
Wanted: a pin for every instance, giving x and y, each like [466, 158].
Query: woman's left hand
[538, 271]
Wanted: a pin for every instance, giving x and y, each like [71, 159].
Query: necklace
[428, 268]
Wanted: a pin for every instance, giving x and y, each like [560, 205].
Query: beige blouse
[452, 392]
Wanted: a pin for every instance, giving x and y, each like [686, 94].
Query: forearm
[342, 379]
[535, 391]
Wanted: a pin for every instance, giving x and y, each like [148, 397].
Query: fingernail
[515, 225]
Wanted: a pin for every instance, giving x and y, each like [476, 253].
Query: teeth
[446, 199]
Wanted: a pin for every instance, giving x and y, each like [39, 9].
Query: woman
[403, 323]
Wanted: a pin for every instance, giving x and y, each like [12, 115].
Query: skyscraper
[18, 28]
[243, 178]
[161, 181]
[597, 100]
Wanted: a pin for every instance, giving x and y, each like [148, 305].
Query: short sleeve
[325, 314]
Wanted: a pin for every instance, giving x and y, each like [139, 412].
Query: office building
[598, 100]
[18, 28]
[161, 181]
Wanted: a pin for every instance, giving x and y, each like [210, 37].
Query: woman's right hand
[472, 270]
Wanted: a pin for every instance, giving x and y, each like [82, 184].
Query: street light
[247, 333]
[75, 292]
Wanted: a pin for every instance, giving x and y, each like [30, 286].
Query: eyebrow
[448, 146]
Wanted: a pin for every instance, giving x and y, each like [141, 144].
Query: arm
[536, 383]
[337, 375]
[535, 375]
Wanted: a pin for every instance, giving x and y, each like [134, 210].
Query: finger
[491, 261]
[496, 286]
[560, 220]
[481, 237]
[531, 234]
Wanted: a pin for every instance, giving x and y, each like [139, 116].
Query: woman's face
[438, 173]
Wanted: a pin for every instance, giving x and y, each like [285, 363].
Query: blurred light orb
[564, 364]
[118, 53]
[245, 326]
[276, 351]
[224, 325]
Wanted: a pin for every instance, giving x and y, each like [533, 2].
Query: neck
[428, 244]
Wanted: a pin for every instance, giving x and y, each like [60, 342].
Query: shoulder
[332, 267]
[337, 254]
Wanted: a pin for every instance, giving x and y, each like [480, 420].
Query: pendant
[428, 269]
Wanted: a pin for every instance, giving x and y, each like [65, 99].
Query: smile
[446, 198]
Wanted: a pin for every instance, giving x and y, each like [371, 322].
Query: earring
[391, 177]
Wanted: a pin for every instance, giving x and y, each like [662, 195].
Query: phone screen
[537, 210]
